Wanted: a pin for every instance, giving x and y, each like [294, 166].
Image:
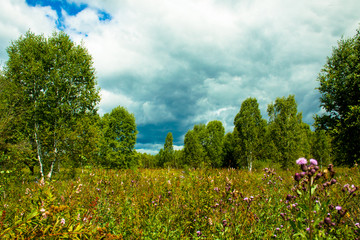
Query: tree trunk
[39, 154]
[55, 157]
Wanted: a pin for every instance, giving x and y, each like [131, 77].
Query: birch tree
[251, 131]
[57, 84]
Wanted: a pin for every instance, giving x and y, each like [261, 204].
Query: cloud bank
[179, 63]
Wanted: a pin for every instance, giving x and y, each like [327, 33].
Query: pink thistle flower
[338, 208]
[313, 162]
[62, 221]
[301, 161]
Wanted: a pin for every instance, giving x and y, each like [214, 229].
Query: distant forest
[49, 119]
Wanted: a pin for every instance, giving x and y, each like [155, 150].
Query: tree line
[254, 142]
[49, 118]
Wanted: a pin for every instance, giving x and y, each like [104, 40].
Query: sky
[174, 64]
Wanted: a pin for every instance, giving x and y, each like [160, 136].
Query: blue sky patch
[70, 8]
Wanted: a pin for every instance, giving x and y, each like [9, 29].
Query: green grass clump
[183, 204]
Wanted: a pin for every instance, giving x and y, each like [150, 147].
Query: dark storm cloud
[179, 63]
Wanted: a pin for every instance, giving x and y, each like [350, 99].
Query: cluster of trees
[340, 98]
[285, 137]
[49, 119]
[48, 110]
[254, 141]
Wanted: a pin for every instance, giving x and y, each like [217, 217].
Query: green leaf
[313, 188]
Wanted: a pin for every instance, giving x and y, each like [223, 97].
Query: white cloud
[110, 100]
[189, 61]
[16, 17]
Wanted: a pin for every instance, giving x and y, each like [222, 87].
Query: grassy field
[185, 204]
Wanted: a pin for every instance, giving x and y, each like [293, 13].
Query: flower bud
[327, 220]
[297, 176]
[304, 167]
[288, 197]
[318, 176]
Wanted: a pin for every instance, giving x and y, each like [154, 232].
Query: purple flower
[301, 161]
[224, 222]
[327, 220]
[297, 177]
[313, 162]
[338, 208]
[62, 221]
[198, 233]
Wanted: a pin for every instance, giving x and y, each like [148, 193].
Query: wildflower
[301, 161]
[62, 221]
[224, 222]
[304, 167]
[198, 233]
[338, 208]
[318, 176]
[297, 177]
[216, 189]
[288, 197]
[313, 162]
[327, 220]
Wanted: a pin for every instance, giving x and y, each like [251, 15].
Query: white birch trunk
[250, 162]
[39, 154]
[55, 156]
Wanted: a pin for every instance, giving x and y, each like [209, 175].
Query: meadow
[307, 203]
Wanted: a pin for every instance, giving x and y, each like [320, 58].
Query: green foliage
[229, 160]
[193, 150]
[203, 146]
[321, 147]
[56, 88]
[251, 132]
[166, 155]
[15, 149]
[287, 134]
[214, 143]
[178, 204]
[147, 160]
[119, 138]
[340, 98]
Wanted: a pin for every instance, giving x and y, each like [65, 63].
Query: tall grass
[182, 204]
